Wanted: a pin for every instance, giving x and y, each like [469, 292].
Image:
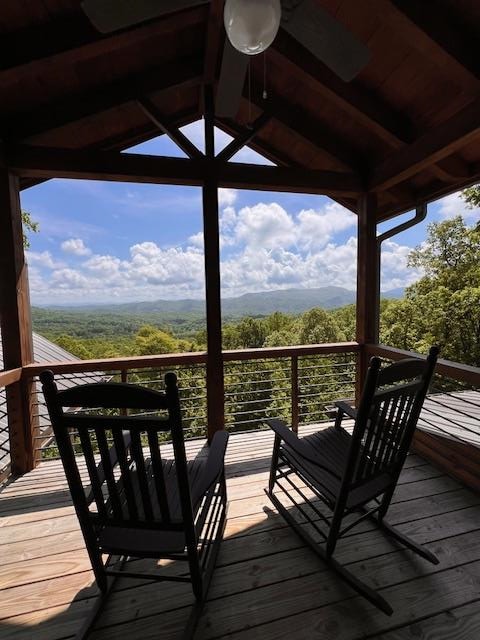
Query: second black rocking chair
[355, 472]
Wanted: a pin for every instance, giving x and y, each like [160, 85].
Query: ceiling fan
[313, 27]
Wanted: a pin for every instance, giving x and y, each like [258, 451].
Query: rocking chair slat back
[111, 443]
[387, 417]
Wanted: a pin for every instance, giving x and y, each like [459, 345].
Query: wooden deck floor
[266, 585]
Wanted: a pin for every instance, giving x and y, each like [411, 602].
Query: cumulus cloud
[227, 197]
[454, 205]
[43, 259]
[265, 247]
[76, 247]
[265, 225]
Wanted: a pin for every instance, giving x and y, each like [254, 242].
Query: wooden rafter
[67, 42]
[360, 105]
[152, 112]
[429, 29]
[436, 144]
[213, 41]
[243, 139]
[73, 108]
[41, 162]
[309, 128]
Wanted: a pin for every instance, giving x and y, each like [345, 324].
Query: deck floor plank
[267, 584]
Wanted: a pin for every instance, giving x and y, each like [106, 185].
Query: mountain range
[249, 304]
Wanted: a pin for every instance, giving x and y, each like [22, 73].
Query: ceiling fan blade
[231, 81]
[327, 39]
[112, 15]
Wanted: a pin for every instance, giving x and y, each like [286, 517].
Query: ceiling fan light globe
[252, 25]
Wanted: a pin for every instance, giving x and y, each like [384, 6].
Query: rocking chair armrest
[213, 467]
[346, 408]
[300, 448]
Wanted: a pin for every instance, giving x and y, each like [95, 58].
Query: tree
[317, 327]
[443, 306]
[28, 225]
[471, 195]
[152, 341]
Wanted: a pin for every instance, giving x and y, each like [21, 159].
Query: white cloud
[227, 197]
[43, 259]
[76, 247]
[453, 205]
[317, 227]
[264, 248]
[265, 225]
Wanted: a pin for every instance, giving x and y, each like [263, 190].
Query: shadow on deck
[267, 584]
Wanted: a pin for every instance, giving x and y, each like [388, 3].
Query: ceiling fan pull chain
[265, 94]
[249, 94]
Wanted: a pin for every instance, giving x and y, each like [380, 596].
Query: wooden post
[368, 283]
[15, 319]
[211, 234]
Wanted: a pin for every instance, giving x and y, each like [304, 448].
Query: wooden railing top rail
[457, 371]
[197, 357]
[9, 377]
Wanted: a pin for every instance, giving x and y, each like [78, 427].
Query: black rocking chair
[357, 472]
[134, 505]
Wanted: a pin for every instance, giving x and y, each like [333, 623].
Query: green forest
[441, 308]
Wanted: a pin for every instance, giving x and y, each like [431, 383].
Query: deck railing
[298, 384]
[7, 380]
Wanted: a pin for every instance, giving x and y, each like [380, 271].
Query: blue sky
[106, 242]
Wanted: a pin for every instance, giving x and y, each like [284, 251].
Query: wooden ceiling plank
[361, 105]
[244, 138]
[179, 75]
[49, 52]
[151, 111]
[41, 162]
[428, 29]
[433, 146]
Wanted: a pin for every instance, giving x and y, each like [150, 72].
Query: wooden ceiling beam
[435, 145]
[42, 162]
[71, 40]
[56, 114]
[428, 29]
[181, 140]
[365, 108]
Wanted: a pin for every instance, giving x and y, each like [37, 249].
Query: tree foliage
[29, 226]
[443, 306]
[471, 195]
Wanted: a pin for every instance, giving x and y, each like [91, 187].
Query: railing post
[368, 283]
[16, 326]
[211, 235]
[295, 393]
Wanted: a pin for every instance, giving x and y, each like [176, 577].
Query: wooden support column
[368, 282]
[211, 234]
[16, 324]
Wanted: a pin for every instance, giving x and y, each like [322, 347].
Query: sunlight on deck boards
[266, 585]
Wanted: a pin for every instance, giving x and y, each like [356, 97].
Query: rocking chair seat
[151, 542]
[329, 448]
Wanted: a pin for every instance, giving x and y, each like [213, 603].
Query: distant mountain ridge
[248, 304]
